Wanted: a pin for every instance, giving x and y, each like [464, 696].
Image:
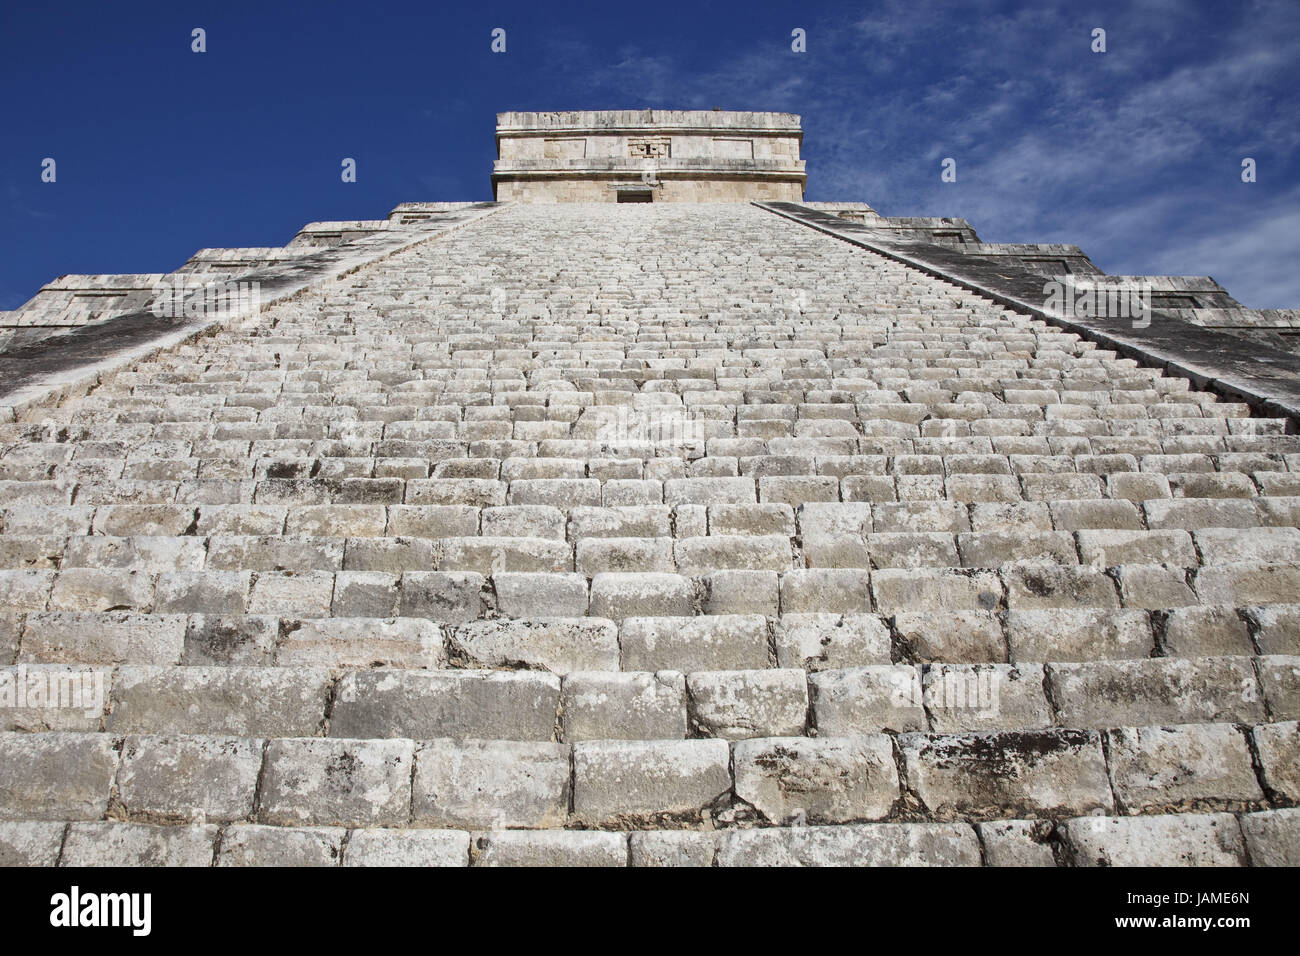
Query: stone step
[1103, 527]
[716, 640]
[627, 541]
[579, 692]
[462, 593]
[1265, 838]
[941, 444]
[1052, 775]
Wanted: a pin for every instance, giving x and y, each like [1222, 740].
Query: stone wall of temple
[681, 155]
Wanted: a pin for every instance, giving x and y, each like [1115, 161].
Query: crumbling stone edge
[18, 398]
[1254, 391]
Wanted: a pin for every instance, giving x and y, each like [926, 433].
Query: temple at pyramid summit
[648, 156]
[648, 515]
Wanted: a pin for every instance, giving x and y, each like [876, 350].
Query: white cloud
[1131, 154]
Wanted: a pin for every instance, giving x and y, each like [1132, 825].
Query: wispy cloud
[1133, 154]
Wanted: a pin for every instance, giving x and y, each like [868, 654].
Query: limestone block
[598, 705]
[826, 780]
[483, 784]
[336, 782]
[735, 705]
[1187, 839]
[495, 705]
[630, 781]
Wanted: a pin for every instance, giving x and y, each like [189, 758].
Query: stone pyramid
[660, 534]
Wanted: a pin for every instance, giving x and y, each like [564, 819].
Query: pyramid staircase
[650, 535]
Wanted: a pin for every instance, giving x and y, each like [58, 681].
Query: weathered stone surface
[1277, 628]
[525, 594]
[1058, 586]
[559, 645]
[831, 519]
[133, 844]
[338, 521]
[765, 519]
[247, 640]
[867, 700]
[202, 592]
[451, 597]
[991, 549]
[1225, 545]
[620, 596]
[1272, 837]
[38, 697]
[188, 779]
[492, 555]
[546, 540]
[703, 555]
[1246, 583]
[709, 491]
[826, 591]
[390, 556]
[1279, 757]
[500, 705]
[280, 559]
[291, 594]
[741, 592]
[1205, 632]
[25, 590]
[1279, 676]
[1180, 840]
[362, 642]
[139, 553]
[1187, 767]
[118, 637]
[828, 780]
[1164, 690]
[596, 555]
[962, 697]
[1010, 773]
[672, 848]
[232, 701]
[711, 642]
[719, 173]
[1108, 548]
[550, 848]
[1078, 635]
[734, 705]
[254, 845]
[1153, 587]
[631, 781]
[936, 589]
[651, 521]
[880, 844]
[1017, 843]
[55, 776]
[11, 627]
[955, 636]
[596, 705]
[30, 843]
[364, 594]
[413, 847]
[336, 782]
[485, 784]
[823, 641]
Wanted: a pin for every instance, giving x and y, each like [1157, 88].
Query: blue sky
[1134, 154]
